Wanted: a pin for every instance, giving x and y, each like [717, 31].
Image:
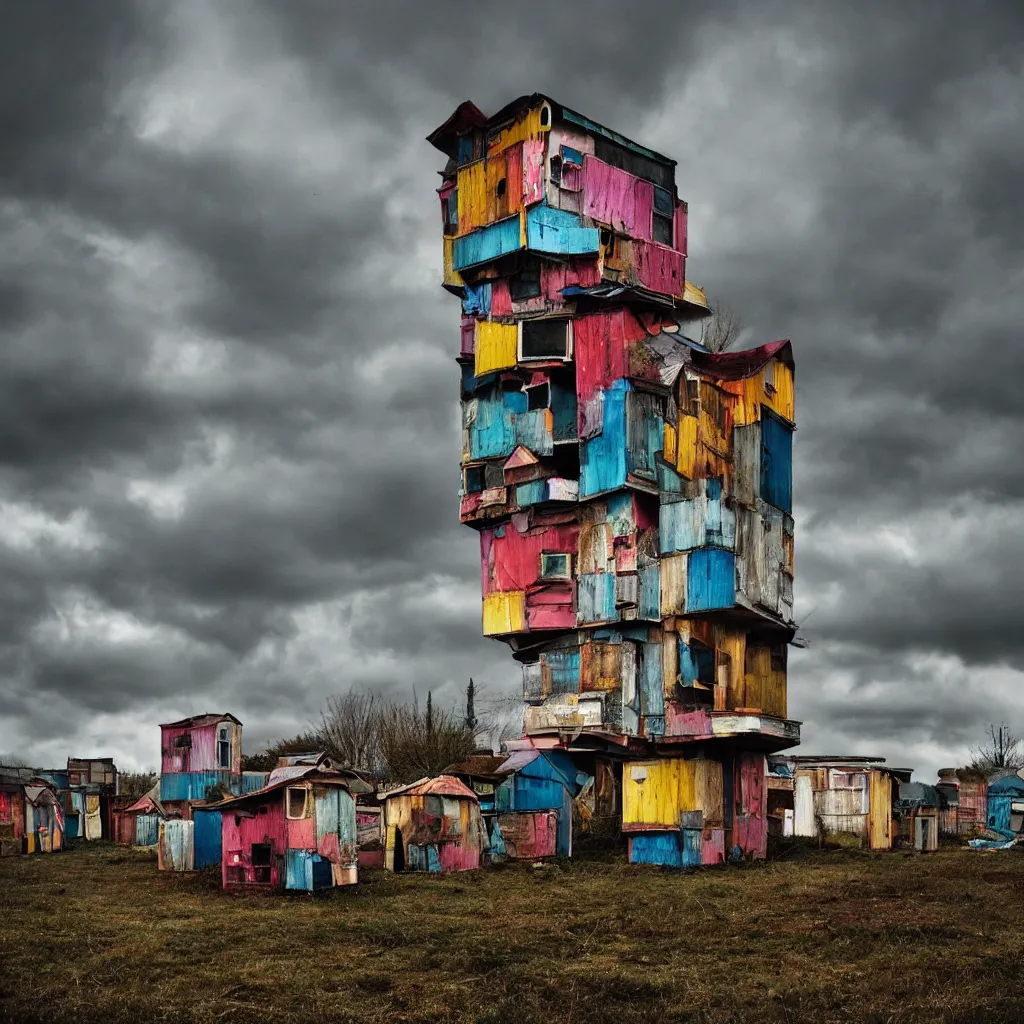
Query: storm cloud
[228, 401]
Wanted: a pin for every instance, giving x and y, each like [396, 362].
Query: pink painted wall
[551, 606]
[301, 834]
[533, 170]
[686, 723]
[468, 336]
[612, 196]
[750, 822]
[202, 755]
[659, 268]
[268, 827]
[712, 850]
[454, 857]
[679, 228]
[512, 562]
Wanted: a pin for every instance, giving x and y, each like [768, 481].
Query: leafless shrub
[350, 729]
[1002, 752]
[412, 747]
[722, 329]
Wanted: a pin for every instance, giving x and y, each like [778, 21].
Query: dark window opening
[511, 386]
[499, 189]
[606, 238]
[778, 658]
[526, 283]
[691, 397]
[567, 461]
[224, 749]
[661, 229]
[474, 479]
[451, 213]
[545, 116]
[494, 475]
[183, 741]
[556, 170]
[260, 858]
[545, 339]
[538, 397]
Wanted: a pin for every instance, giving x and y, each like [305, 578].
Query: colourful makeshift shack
[780, 797]
[846, 795]
[966, 795]
[673, 811]
[92, 786]
[31, 816]
[138, 824]
[200, 758]
[919, 809]
[1006, 803]
[299, 832]
[433, 825]
[527, 800]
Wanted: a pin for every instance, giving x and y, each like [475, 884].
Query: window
[778, 658]
[499, 189]
[183, 741]
[473, 479]
[556, 170]
[224, 749]
[554, 566]
[259, 857]
[661, 226]
[296, 803]
[538, 396]
[545, 339]
[545, 116]
[526, 283]
[451, 213]
[769, 379]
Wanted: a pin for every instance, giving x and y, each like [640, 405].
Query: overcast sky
[228, 401]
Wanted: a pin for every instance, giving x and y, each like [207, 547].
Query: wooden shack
[31, 816]
[833, 796]
[433, 825]
[299, 832]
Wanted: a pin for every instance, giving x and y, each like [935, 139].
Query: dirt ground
[98, 935]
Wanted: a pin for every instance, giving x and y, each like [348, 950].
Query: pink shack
[197, 755]
[298, 832]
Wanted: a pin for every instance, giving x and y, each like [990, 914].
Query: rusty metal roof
[479, 764]
[198, 721]
[443, 785]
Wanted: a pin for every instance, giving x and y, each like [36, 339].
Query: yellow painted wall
[673, 584]
[496, 346]
[525, 127]
[752, 393]
[672, 785]
[451, 276]
[879, 811]
[764, 687]
[504, 613]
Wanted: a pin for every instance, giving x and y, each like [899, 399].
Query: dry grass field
[98, 935]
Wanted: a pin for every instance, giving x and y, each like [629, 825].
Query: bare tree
[722, 329]
[411, 749]
[136, 784]
[350, 729]
[1003, 751]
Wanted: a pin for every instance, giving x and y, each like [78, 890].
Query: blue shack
[528, 799]
[1006, 803]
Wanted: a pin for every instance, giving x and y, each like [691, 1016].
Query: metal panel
[176, 849]
[147, 829]
[555, 231]
[776, 462]
[710, 580]
[595, 598]
[206, 837]
[488, 243]
[603, 457]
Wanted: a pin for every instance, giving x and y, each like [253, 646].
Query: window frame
[566, 561]
[569, 341]
[288, 803]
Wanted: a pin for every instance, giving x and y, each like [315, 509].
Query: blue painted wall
[477, 301]
[206, 838]
[697, 522]
[710, 580]
[595, 598]
[557, 231]
[652, 686]
[193, 785]
[147, 829]
[671, 849]
[603, 458]
[650, 592]
[565, 670]
[776, 462]
[497, 239]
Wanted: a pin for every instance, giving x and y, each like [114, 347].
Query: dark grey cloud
[228, 421]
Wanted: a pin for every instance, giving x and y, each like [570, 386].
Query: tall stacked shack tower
[631, 490]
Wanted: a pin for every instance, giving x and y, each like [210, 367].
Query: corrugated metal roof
[443, 785]
[737, 365]
[1008, 785]
[197, 721]
[479, 764]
